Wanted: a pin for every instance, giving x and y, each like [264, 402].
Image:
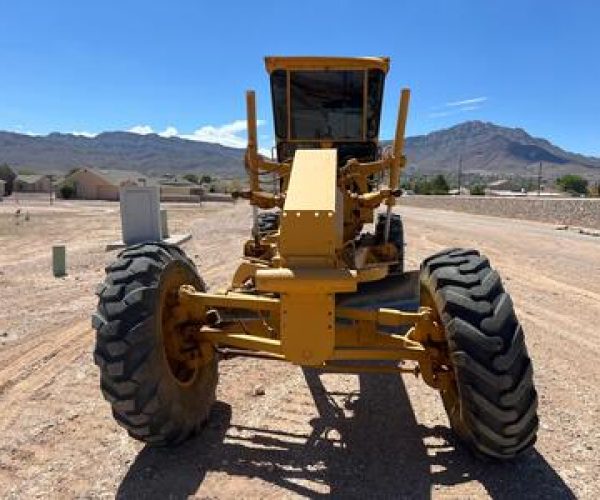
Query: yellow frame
[273, 63]
[357, 335]
[289, 279]
[289, 64]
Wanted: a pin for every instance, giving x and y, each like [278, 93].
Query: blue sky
[182, 67]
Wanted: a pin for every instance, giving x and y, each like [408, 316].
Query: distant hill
[150, 154]
[485, 148]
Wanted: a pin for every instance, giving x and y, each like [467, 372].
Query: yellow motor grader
[314, 287]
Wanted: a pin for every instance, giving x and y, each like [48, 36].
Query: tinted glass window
[327, 104]
[278, 95]
[375, 94]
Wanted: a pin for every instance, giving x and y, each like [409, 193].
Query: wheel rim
[451, 396]
[178, 346]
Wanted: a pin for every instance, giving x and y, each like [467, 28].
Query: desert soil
[309, 435]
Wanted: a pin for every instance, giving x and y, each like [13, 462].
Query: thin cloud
[465, 109]
[457, 107]
[470, 108]
[170, 131]
[84, 133]
[466, 102]
[227, 135]
[439, 114]
[141, 129]
[230, 134]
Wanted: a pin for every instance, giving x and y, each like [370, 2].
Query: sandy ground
[309, 435]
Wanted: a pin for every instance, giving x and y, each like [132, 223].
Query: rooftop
[30, 178]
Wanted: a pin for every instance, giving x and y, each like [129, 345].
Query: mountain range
[488, 149]
[484, 148]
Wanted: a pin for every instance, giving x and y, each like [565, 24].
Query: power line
[459, 174]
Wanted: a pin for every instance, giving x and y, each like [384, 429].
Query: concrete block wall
[584, 212]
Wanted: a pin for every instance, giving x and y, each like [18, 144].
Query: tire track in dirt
[36, 365]
[351, 436]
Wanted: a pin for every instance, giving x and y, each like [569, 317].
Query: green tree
[422, 186]
[193, 178]
[8, 175]
[206, 179]
[572, 183]
[439, 185]
[477, 190]
[67, 191]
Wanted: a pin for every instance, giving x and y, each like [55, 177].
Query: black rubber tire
[396, 237]
[495, 412]
[135, 377]
[268, 222]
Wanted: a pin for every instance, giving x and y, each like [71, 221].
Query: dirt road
[310, 435]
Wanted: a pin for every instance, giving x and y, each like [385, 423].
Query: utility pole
[459, 174]
[540, 180]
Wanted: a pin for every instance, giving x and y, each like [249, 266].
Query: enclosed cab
[327, 102]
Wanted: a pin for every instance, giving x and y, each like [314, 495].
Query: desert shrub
[477, 190]
[67, 191]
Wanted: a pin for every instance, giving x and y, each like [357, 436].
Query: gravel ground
[307, 435]
[564, 211]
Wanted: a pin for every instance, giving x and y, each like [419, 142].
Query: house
[97, 184]
[500, 185]
[176, 188]
[33, 183]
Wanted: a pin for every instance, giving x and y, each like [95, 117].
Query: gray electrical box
[140, 214]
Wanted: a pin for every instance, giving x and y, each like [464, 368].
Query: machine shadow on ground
[378, 452]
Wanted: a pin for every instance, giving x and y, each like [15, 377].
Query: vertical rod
[388, 220]
[251, 156]
[459, 173]
[540, 180]
[399, 139]
[252, 149]
[255, 224]
[398, 156]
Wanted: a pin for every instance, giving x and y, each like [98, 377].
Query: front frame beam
[359, 334]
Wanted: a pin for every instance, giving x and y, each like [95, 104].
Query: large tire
[155, 400]
[492, 406]
[396, 237]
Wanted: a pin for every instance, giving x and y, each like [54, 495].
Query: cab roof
[273, 63]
